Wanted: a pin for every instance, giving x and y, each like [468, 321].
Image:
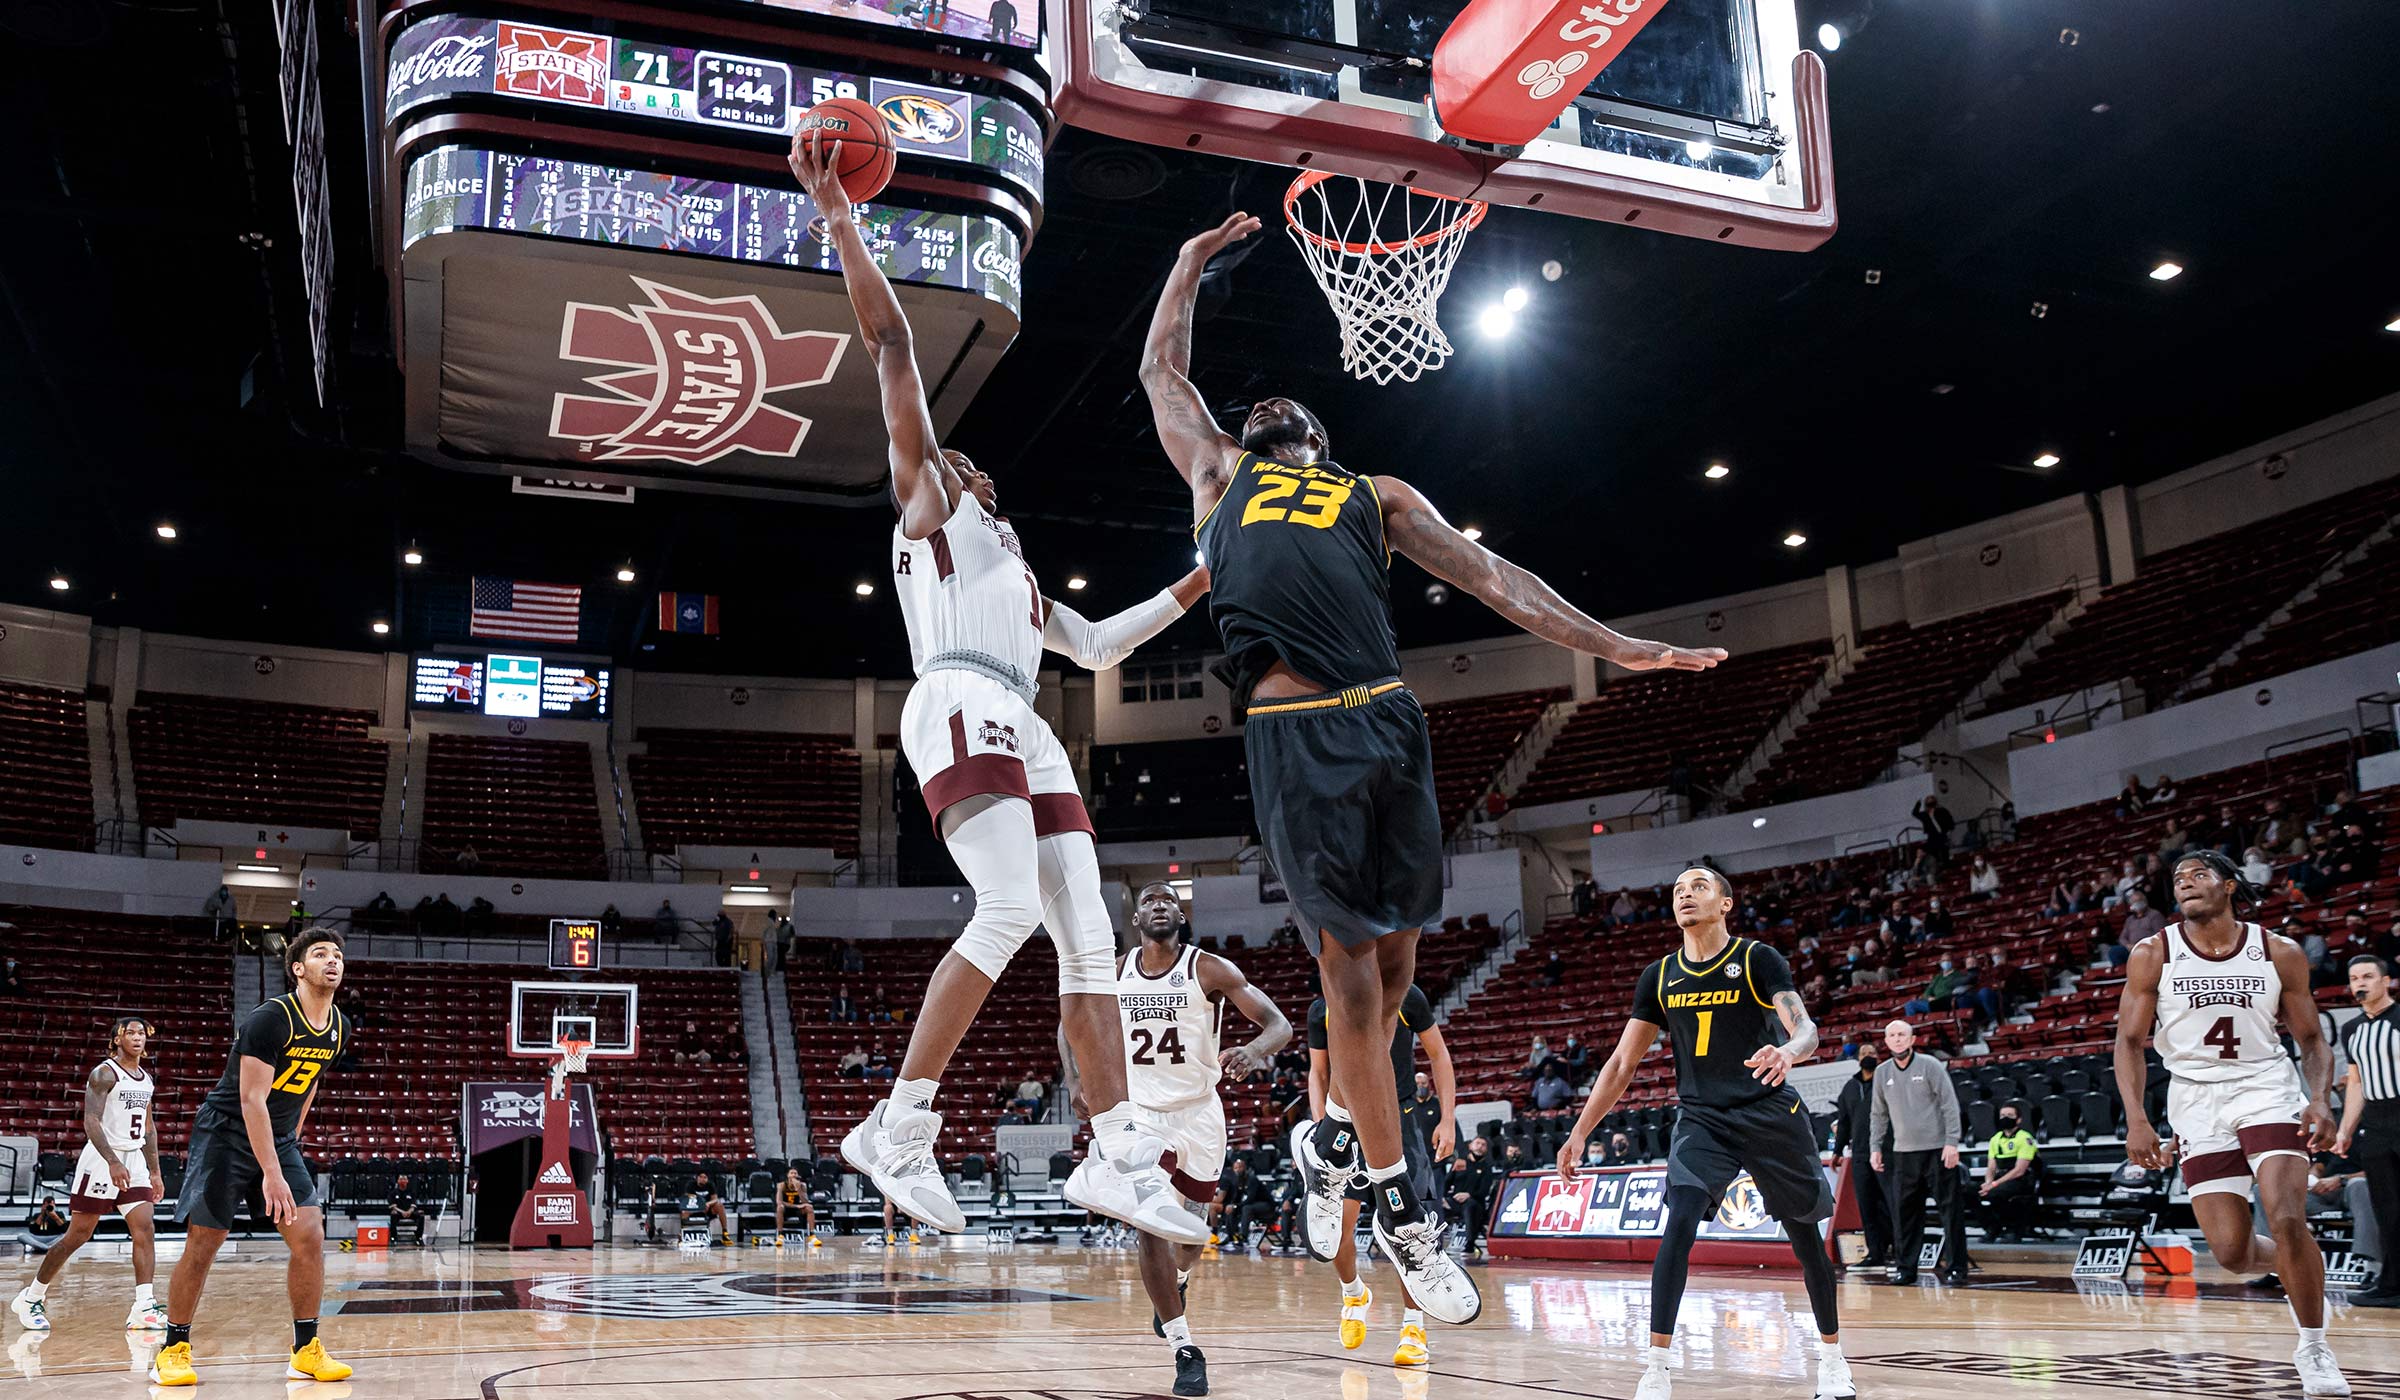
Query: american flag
[529, 612]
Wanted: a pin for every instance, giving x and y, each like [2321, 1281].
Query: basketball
[864, 159]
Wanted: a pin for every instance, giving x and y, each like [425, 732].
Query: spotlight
[2393, 325]
[1794, 540]
[1829, 37]
[166, 531]
[1717, 471]
[1496, 321]
[1199, 557]
[625, 572]
[1075, 584]
[1515, 298]
[59, 582]
[2046, 460]
[1472, 532]
[2166, 272]
[380, 627]
[1699, 148]
[863, 590]
[1757, 823]
[412, 556]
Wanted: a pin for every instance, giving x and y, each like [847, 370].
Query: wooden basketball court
[960, 1322]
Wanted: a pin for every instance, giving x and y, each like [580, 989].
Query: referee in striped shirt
[2370, 1132]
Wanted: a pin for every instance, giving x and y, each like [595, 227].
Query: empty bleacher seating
[1906, 680]
[78, 972]
[2142, 629]
[1472, 738]
[739, 787]
[2357, 612]
[211, 758]
[521, 806]
[1640, 727]
[45, 768]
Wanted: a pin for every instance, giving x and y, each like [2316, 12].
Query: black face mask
[2008, 1125]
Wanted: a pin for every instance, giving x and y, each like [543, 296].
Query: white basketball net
[572, 1056]
[1382, 255]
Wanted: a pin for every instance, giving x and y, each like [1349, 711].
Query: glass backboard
[1710, 123]
[604, 1013]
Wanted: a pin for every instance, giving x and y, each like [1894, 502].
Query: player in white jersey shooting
[2212, 985]
[1167, 995]
[998, 783]
[118, 1171]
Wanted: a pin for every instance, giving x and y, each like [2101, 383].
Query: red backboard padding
[1505, 69]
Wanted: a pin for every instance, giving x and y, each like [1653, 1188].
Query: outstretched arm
[1416, 529]
[1639, 1036]
[1201, 451]
[1099, 646]
[919, 476]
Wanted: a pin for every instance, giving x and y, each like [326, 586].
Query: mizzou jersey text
[278, 1033]
[1718, 1015]
[1299, 573]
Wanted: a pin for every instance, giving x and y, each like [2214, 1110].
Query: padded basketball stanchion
[554, 1213]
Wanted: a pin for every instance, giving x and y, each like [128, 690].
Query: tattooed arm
[1416, 529]
[1200, 449]
[1772, 1062]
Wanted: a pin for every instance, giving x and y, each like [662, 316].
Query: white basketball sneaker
[894, 1149]
[147, 1317]
[1833, 1379]
[1656, 1385]
[30, 1311]
[1327, 1184]
[2319, 1376]
[1419, 1249]
[1121, 1178]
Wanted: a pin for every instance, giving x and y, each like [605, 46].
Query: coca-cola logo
[450, 58]
[994, 261]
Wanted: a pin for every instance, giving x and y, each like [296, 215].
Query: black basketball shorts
[1773, 1139]
[221, 1175]
[1341, 785]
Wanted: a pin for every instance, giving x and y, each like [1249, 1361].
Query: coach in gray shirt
[1914, 1102]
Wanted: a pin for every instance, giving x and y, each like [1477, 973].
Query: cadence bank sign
[499, 1114]
[695, 375]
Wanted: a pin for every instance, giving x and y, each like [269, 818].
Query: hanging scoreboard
[574, 945]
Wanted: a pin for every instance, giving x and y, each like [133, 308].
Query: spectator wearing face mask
[2008, 1194]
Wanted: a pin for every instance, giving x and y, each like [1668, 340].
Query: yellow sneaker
[1413, 1351]
[310, 1363]
[1354, 1317]
[173, 1366]
[815, 1243]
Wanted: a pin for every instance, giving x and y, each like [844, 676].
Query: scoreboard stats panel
[452, 188]
[1016, 23]
[510, 686]
[454, 55]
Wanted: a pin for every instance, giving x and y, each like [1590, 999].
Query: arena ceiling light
[2046, 460]
[1077, 584]
[412, 555]
[749, 889]
[380, 627]
[165, 530]
[261, 869]
[1515, 298]
[1496, 321]
[1699, 148]
[2166, 272]
[1717, 471]
[59, 583]
[1794, 540]
[863, 589]
[1829, 37]
[2393, 325]
[625, 572]
[1472, 532]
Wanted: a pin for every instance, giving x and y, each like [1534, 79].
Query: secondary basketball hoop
[1382, 254]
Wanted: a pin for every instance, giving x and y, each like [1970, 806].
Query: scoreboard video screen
[510, 686]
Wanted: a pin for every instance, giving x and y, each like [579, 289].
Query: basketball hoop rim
[1310, 179]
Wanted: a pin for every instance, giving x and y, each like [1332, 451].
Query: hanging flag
[528, 612]
[688, 612]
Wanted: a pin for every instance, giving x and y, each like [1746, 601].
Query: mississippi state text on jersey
[1170, 1032]
[2216, 1015]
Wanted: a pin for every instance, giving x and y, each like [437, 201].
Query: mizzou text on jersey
[221, 1173]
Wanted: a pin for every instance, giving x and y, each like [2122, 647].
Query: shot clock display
[453, 55]
[574, 945]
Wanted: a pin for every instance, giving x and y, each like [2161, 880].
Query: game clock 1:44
[745, 92]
